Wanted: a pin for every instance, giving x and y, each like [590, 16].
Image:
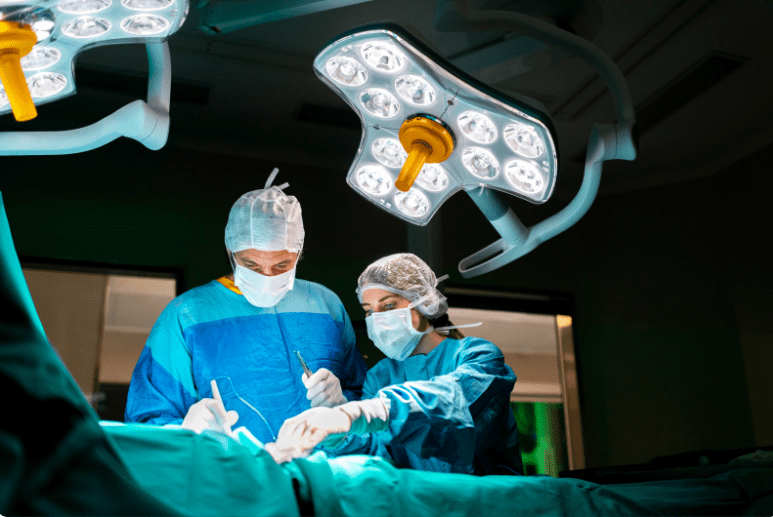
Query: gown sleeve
[162, 387]
[438, 417]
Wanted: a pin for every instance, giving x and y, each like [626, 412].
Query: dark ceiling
[700, 73]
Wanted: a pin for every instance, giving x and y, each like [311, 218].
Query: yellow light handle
[16, 41]
[420, 151]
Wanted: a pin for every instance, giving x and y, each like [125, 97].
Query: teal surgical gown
[449, 411]
[213, 332]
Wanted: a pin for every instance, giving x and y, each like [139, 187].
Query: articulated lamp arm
[146, 122]
[607, 141]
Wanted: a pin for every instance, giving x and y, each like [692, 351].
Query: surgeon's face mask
[261, 290]
[393, 333]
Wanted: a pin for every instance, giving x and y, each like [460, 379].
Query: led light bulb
[389, 152]
[480, 162]
[524, 176]
[379, 102]
[86, 27]
[40, 58]
[412, 203]
[415, 90]
[147, 5]
[382, 56]
[346, 71]
[523, 140]
[374, 180]
[478, 127]
[144, 24]
[84, 6]
[46, 84]
[433, 178]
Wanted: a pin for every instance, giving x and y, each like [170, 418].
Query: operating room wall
[670, 284]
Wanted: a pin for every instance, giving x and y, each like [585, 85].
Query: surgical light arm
[144, 121]
[607, 141]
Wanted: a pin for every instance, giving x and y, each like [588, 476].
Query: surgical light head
[406, 275]
[266, 219]
[41, 39]
[431, 130]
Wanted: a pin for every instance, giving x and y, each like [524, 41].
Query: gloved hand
[300, 434]
[323, 389]
[209, 414]
[367, 416]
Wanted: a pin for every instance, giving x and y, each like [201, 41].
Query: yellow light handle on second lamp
[16, 41]
[420, 151]
[425, 141]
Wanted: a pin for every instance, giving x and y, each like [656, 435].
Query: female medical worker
[435, 403]
[241, 331]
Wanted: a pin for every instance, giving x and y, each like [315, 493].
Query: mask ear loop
[444, 330]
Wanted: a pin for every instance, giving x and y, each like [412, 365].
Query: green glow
[542, 437]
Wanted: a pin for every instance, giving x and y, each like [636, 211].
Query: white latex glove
[367, 416]
[323, 389]
[300, 434]
[210, 414]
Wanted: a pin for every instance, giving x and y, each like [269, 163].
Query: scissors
[306, 369]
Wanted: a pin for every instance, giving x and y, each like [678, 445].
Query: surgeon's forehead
[375, 296]
[265, 256]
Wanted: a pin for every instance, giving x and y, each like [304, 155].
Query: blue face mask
[393, 333]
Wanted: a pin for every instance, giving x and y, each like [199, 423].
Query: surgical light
[379, 102]
[433, 178]
[459, 134]
[40, 58]
[478, 127]
[46, 84]
[347, 71]
[480, 162]
[374, 180]
[413, 203]
[524, 176]
[523, 140]
[86, 27]
[390, 152]
[145, 24]
[415, 90]
[83, 6]
[382, 56]
[147, 5]
[60, 31]
[447, 124]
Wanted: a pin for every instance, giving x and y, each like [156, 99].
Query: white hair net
[266, 219]
[407, 275]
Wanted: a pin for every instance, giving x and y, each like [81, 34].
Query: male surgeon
[242, 331]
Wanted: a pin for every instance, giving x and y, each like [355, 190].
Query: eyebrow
[381, 300]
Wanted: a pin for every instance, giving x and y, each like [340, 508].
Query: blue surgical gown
[450, 411]
[213, 332]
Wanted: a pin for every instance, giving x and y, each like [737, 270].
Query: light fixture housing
[404, 78]
[65, 28]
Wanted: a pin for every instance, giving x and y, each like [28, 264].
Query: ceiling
[700, 74]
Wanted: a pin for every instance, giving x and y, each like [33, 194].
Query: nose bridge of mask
[392, 319]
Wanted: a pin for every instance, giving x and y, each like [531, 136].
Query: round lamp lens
[523, 140]
[346, 71]
[379, 102]
[480, 162]
[389, 152]
[412, 203]
[374, 180]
